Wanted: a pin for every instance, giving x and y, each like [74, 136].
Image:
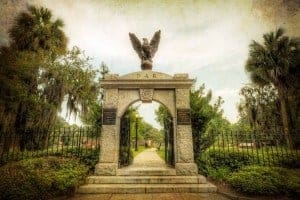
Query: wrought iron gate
[125, 154]
[169, 141]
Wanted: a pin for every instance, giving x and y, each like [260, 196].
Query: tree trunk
[285, 120]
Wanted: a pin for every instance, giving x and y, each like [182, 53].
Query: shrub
[215, 159]
[89, 157]
[288, 161]
[219, 174]
[40, 178]
[259, 180]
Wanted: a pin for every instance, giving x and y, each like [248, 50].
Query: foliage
[258, 180]
[162, 115]
[148, 132]
[93, 115]
[161, 153]
[219, 174]
[214, 159]
[290, 161]
[276, 63]
[260, 107]
[88, 157]
[207, 121]
[37, 73]
[40, 178]
[140, 149]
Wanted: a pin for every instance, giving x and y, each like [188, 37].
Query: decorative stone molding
[111, 76]
[180, 76]
[146, 95]
[146, 74]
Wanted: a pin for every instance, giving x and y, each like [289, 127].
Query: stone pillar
[108, 160]
[184, 163]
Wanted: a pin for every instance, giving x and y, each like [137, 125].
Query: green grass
[161, 152]
[140, 149]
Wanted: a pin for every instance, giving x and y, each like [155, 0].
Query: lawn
[161, 152]
[140, 149]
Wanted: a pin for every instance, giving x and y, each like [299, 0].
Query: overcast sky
[208, 39]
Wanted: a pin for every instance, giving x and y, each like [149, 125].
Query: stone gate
[146, 86]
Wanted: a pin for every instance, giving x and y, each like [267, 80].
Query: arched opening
[146, 127]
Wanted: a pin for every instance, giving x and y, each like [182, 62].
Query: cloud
[207, 39]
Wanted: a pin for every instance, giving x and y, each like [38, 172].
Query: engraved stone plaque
[146, 95]
[109, 116]
[183, 117]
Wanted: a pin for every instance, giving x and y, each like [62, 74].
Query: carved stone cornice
[147, 79]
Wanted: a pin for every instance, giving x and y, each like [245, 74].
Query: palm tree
[36, 40]
[35, 30]
[275, 62]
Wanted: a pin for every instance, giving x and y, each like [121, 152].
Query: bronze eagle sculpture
[145, 50]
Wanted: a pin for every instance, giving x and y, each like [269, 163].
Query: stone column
[108, 160]
[184, 144]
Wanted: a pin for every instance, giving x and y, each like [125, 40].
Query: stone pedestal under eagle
[145, 50]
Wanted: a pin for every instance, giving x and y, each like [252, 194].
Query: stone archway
[146, 86]
[125, 141]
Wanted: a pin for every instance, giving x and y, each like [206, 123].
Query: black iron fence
[66, 142]
[227, 148]
[240, 148]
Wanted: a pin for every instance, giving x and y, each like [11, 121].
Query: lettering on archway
[146, 86]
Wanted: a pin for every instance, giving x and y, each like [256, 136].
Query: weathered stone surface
[108, 142]
[184, 132]
[127, 97]
[186, 169]
[111, 98]
[146, 179]
[111, 76]
[185, 153]
[181, 76]
[146, 95]
[146, 74]
[184, 144]
[146, 188]
[121, 92]
[106, 169]
[166, 97]
[182, 98]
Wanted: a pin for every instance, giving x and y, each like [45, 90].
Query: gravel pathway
[148, 158]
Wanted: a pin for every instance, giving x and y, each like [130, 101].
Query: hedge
[261, 180]
[40, 178]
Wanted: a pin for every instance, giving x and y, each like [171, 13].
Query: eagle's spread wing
[155, 42]
[136, 44]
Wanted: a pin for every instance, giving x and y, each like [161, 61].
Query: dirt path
[148, 158]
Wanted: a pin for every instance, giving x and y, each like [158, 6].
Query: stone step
[145, 179]
[146, 172]
[145, 188]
